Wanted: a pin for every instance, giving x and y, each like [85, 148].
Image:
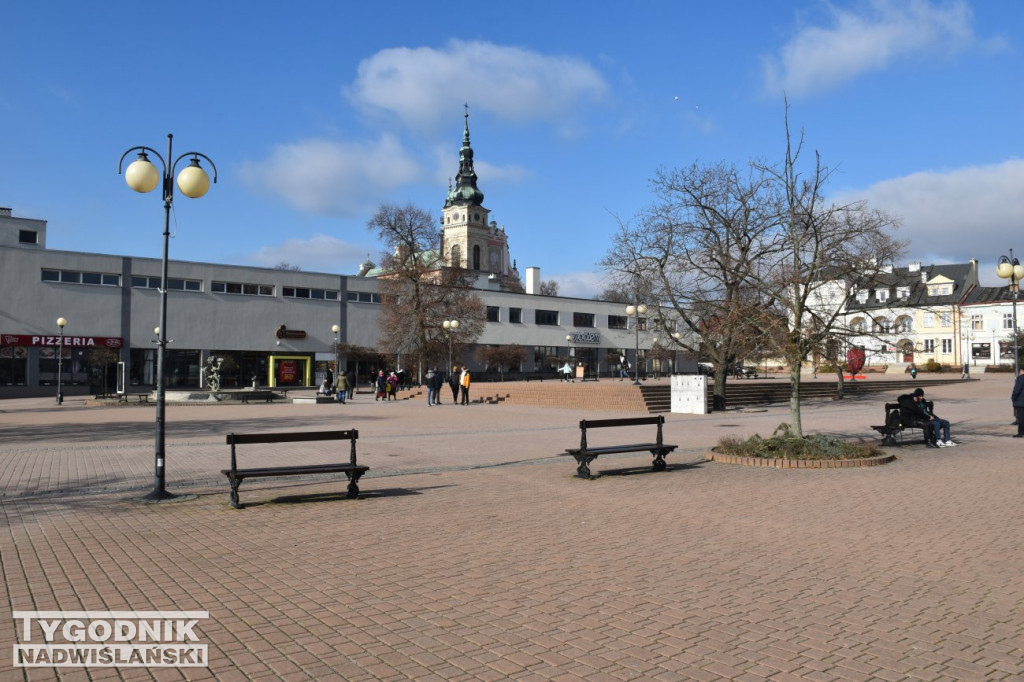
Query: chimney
[533, 280]
[4, 211]
[914, 267]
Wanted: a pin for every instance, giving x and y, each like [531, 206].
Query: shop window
[13, 366]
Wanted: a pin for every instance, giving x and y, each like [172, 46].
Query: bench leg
[235, 482]
[583, 460]
[353, 480]
[659, 460]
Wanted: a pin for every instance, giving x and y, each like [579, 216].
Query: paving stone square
[473, 553]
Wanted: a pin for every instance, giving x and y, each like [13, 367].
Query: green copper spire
[465, 192]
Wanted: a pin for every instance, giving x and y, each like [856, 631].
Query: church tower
[468, 237]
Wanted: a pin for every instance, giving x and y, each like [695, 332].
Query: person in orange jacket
[464, 380]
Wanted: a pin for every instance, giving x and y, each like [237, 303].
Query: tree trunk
[796, 428]
[718, 394]
[841, 383]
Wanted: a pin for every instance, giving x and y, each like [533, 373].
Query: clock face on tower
[455, 216]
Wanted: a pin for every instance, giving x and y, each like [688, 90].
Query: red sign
[73, 341]
[287, 372]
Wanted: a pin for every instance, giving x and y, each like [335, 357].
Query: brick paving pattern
[474, 554]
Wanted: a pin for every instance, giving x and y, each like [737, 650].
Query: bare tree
[419, 292]
[549, 288]
[693, 254]
[825, 251]
[285, 265]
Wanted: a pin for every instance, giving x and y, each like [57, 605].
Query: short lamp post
[1011, 269]
[636, 311]
[450, 327]
[336, 329]
[61, 322]
[142, 176]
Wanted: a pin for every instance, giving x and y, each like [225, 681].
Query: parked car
[705, 368]
[744, 371]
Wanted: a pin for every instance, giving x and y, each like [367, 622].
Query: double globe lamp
[142, 176]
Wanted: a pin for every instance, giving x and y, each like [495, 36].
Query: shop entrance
[290, 370]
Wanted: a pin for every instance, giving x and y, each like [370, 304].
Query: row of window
[905, 325]
[882, 294]
[551, 318]
[110, 279]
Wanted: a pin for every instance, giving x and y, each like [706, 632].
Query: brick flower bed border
[800, 463]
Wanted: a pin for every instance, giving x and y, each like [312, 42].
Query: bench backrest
[294, 437]
[895, 407]
[626, 421]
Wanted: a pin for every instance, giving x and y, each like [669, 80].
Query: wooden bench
[585, 454]
[894, 425]
[351, 470]
[265, 396]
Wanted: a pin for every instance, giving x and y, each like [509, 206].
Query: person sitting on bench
[919, 415]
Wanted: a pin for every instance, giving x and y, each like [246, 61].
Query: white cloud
[818, 58]
[583, 284]
[339, 179]
[422, 85]
[951, 217]
[320, 253]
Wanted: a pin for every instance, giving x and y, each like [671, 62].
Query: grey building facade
[272, 327]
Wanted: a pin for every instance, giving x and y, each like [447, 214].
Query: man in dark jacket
[927, 419]
[912, 416]
[1018, 403]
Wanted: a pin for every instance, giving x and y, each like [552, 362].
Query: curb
[800, 463]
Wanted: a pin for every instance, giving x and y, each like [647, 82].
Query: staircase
[745, 393]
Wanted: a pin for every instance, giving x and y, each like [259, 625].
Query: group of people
[344, 388]
[386, 386]
[458, 381]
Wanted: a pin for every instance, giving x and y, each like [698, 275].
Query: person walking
[464, 380]
[1017, 397]
[350, 378]
[431, 391]
[453, 383]
[392, 389]
[342, 387]
[381, 387]
[438, 382]
[966, 373]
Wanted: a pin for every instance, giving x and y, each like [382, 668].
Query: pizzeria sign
[73, 341]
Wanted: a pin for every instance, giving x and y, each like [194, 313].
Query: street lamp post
[337, 355]
[60, 359]
[142, 176]
[450, 327]
[636, 311]
[1011, 269]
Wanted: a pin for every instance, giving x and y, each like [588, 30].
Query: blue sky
[317, 112]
